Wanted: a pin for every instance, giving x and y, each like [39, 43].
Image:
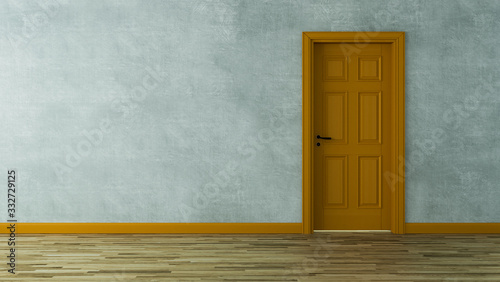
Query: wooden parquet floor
[264, 257]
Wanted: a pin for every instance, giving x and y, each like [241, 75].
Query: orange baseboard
[227, 228]
[452, 228]
[130, 228]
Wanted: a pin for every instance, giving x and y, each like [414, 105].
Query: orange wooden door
[352, 106]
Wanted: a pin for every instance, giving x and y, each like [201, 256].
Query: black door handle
[326, 138]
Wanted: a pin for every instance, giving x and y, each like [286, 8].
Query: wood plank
[343, 256]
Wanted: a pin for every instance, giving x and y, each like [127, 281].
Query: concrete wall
[190, 111]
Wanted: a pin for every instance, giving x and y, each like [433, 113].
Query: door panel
[369, 186]
[335, 194]
[352, 96]
[336, 116]
[369, 118]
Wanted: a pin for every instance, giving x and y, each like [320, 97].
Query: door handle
[326, 138]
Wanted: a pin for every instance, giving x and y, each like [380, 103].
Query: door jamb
[395, 176]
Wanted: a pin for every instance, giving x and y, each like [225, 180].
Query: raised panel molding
[336, 126]
[369, 117]
[335, 68]
[370, 68]
[335, 194]
[369, 181]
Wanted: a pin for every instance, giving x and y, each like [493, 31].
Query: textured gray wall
[190, 111]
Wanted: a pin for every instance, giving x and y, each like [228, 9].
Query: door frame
[395, 175]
